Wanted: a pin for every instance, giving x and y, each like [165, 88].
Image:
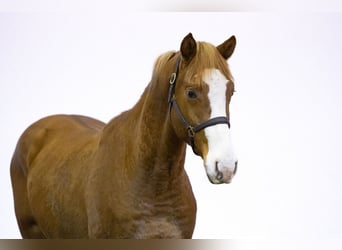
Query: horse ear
[227, 48]
[188, 47]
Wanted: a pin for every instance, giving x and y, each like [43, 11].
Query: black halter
[192, 130]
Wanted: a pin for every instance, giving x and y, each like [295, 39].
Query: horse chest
[154, 228]
[141, 218]
[171, 221]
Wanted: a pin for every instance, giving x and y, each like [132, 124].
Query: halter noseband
[192, 130]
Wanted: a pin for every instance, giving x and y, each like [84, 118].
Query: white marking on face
[221, 156]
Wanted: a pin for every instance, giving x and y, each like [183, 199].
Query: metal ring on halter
[173, 78]
[191, 131]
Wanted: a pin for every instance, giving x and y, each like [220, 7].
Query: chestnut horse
[76, 177]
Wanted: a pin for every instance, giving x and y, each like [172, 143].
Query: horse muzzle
[220, 174]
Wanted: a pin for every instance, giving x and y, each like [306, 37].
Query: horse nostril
[235, 169]
[219, 175]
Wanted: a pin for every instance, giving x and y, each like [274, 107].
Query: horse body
[124, 197]
[76, 177]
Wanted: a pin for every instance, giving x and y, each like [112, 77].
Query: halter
[192, 130]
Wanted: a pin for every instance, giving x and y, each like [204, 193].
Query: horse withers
[77, 177]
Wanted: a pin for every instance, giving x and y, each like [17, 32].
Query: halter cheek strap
[192, 130]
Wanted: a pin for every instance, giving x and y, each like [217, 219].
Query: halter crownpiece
[172, 81]
[192, 130]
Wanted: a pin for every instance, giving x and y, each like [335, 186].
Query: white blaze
[220, 150]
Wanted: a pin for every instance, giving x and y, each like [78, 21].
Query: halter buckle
[191, 132]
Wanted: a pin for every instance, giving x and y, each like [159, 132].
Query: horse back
[62, 133]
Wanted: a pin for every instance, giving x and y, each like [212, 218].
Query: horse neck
[158, 141]
[146, 136]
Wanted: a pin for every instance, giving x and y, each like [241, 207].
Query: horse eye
[192, 94]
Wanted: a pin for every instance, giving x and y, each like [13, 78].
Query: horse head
[201, 88]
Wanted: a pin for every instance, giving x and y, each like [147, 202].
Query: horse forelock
[207, 57]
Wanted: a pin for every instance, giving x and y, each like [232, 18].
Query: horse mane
[161, 61]
[207, 57]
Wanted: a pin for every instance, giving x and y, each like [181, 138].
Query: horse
[76, 177]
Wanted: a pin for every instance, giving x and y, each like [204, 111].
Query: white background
[286, 114]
